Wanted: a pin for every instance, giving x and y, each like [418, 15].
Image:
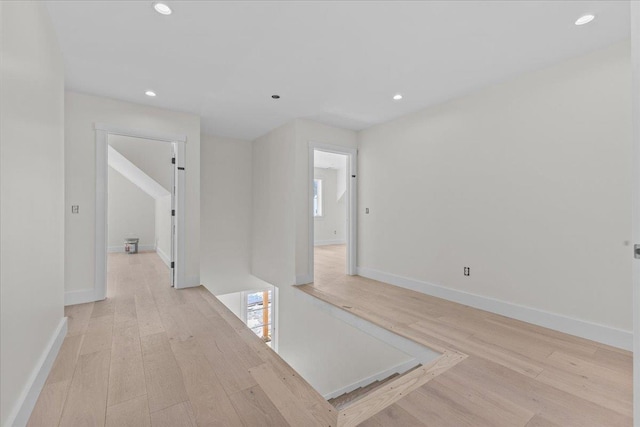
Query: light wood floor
[150, 355]
[517, 374]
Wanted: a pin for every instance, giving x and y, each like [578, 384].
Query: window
[259, 314]
[317, 197]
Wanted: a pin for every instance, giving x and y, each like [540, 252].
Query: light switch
[366, 210]
[75, 209]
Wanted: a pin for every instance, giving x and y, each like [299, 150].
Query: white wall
[31, 204]
[330, 228]
[226, 215]
[82, 111]
[152, 157]
[163, 228]
[327, 352]
[131, 213]
[233, 301]
[309, 131]
[526, 182]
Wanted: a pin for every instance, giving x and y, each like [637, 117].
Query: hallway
[150, 355]
[517, 374]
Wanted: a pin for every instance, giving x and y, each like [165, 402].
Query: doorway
[333, 212]
[168, 198]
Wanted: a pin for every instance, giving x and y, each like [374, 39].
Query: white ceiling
[339, 63]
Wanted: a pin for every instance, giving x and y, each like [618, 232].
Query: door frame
[635, 95]
[177, 252]
[352, 205]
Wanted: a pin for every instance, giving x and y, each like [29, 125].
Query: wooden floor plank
[49, 406]
[209, 401]
[255, 409]
[87, 398]
[178, 415]
[127, 375]
[517, 374]
[132, 413]
[164, 381]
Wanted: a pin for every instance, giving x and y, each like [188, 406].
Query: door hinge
[173, 212]
[173, 264]
[173, 160]
[636, 251]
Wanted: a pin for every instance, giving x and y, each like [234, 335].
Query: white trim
[23, 408]
[304, 279]
[329, 242]
[80, 297]
[191, 282]
[163, 256]
[100, 284]
[137, 133]
[120, 249]
[635, 223]
[398, 369]
[352, 206]
[180, 280]
[581, 328]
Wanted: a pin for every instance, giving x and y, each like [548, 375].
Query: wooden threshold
[389, 393]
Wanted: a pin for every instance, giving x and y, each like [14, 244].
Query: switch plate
[75, 209]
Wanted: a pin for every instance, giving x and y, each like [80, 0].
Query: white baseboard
[192, 282]
[329, 242]
[400, 369]
[26, 403]
[164, 257]
[303, 280]
[80, 297]
[120, 249]
[581, 328]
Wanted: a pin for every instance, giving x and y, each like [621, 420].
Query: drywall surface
[152, 157]
[82, 112]
[225, 245]
[330, 228]
[233, 301]
[131, 213]
[273, 206]
[31, 199]
[327, 352]
[307, 131]
[528, 183]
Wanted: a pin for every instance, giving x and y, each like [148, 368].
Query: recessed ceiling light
[150, 93]
[585, 19]
[162, 8]
[397, 97]
[275, 96]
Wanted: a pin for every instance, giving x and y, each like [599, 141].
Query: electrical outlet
[75, 209]
[467, 271]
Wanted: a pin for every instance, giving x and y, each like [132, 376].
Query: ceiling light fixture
[150, 93]
[585, 19]
[397, 97]
[275, 96]
[162, 8]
